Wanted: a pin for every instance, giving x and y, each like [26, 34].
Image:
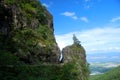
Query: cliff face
[75, 54]
[26, 31]
[27, 37]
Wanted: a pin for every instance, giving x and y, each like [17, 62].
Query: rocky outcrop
[76, 55]
[73, 52]
[26, 30]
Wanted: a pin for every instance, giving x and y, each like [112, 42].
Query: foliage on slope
[113, 74]
[26, 30]
[17, 70]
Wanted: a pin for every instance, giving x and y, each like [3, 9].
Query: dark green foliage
[28, 34]
[39, 72]
[30, 9]
[69, 72]
[6, 43]
[12, 69]
[6, 58]
[76, 41]
[45, 34]
[113, 74]
[27, 43]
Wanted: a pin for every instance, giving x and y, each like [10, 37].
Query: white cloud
[84, 19]
[115, 19]
[70, 14]
[96, 40]
[46, 5]
[75, 17]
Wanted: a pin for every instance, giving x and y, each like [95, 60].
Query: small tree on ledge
[76, 41]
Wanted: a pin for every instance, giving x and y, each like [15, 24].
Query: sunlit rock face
[74, 52]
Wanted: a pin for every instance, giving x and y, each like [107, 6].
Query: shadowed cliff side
[26, 30]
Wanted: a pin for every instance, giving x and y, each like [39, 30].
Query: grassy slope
[113, 74]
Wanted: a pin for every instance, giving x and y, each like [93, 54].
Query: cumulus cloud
[73, 16]
[115, 19]
[84, 19]
[70, 14]
[96, 40]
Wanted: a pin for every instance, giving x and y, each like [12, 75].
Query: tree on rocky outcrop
[75, 55]
[76, 41]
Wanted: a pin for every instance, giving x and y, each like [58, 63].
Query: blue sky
[96, 23]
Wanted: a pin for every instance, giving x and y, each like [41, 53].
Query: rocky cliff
[28, 50]
[26, 31]
[76, 55]
[74, 52]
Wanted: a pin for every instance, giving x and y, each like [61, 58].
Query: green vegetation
[99, 69]
[38, 72]
[11, 68]
[75, 54]
[79, 58]
[6, 58]
[29, 10]
[30, 37]
[46, 35]
[27, 45]
[76, 41]
[113, 74]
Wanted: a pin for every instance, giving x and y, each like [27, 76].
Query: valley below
[102, 67]
[102, 62]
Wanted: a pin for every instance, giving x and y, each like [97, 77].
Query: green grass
[113, 74]
[11, 68]
[38, 72]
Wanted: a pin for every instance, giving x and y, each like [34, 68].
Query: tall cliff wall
[28, 50]
[26, 30]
